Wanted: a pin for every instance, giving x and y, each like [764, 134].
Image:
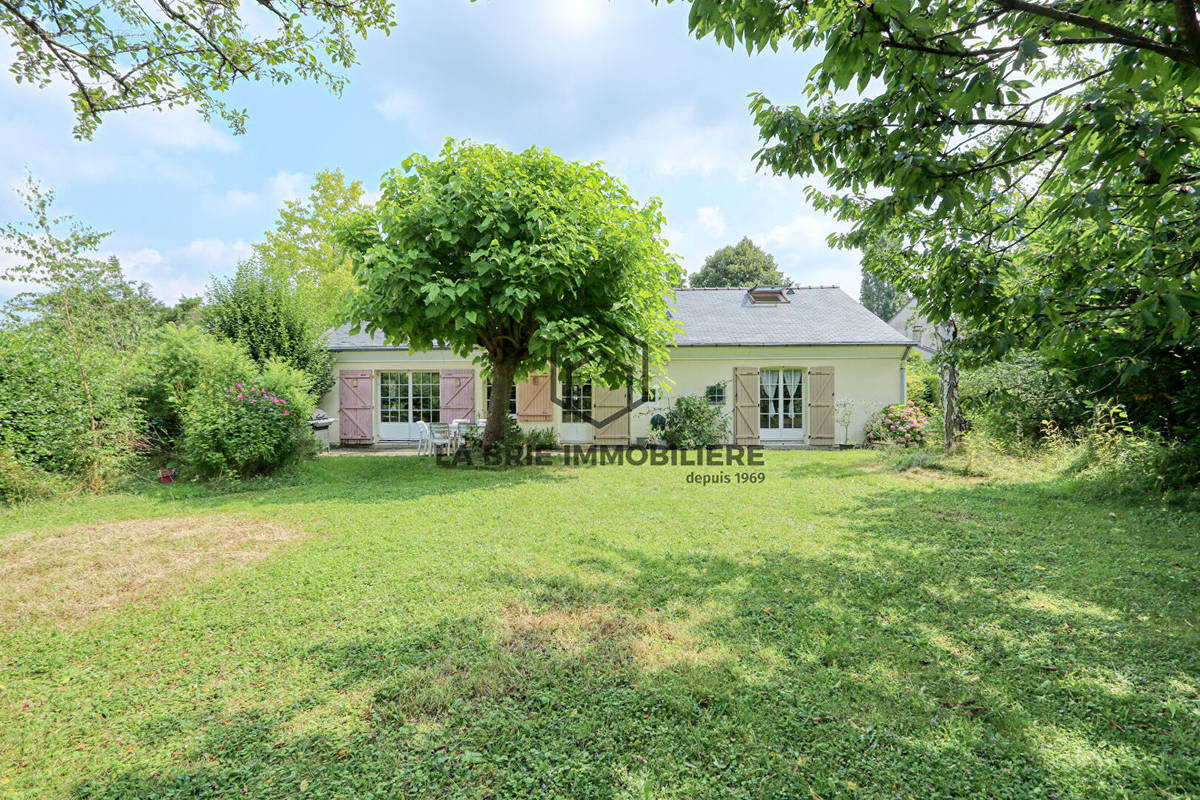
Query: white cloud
[177, 272]
[711, 220]
[182, 270]
[398, 104]
[674, 142]
[236, 202]
[800, 246]
[805, 230]
[280, 188]
[176, 129]
[285, 186]
[576, 17]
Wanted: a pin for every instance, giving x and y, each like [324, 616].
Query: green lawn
[386, 628]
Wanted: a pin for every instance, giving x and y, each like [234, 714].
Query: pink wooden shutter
[458, 394]
[356, 395]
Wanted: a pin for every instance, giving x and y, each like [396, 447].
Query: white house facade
[781, 362]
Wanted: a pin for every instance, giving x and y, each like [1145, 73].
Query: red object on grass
[166, 475]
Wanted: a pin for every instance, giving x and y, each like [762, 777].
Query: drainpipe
[904, 374]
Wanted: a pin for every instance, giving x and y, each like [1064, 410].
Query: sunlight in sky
[577, 17]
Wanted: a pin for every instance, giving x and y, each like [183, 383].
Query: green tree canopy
[1036, 161]
[64, 346]
[303, 253]
[879, 296]
[122, 54]
[515, 255]
[741, 264]
[261, 313]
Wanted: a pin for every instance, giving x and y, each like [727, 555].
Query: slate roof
[340, 338]
[814, 315]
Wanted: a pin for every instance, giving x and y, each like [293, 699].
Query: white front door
[780, 405]
[406, 398]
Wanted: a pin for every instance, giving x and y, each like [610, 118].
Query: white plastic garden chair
[424, 440]
[439, 436]
[460, 429]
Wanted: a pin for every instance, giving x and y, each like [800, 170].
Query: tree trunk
[497, 418]
[948, 378]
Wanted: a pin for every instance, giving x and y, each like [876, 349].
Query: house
[777, 359]
[927, 337]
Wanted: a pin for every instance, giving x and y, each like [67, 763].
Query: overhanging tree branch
[1121, 35]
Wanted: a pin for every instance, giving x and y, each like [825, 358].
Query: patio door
[577, 407]
[406, 398]
[780, 404]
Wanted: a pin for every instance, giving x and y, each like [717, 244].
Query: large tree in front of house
[741, 264]
[515, 256]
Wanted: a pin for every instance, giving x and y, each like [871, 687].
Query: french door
[406, 398]
[577, 407]
[780, 404]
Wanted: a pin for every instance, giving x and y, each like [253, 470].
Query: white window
[577, 402]
[406, 398]
[512, 398]
[426, 397]
[781, 403]
[394, 400]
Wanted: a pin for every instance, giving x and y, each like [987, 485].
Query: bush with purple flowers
[249, 429]
[900, 424]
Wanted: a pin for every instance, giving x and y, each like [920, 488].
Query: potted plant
[843, 412]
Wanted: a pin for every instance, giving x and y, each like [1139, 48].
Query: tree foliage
[879, 296]
[302, 251]
[123, 54]
[64, 350]
[742, 264]
[516, 255]
[259, 312]
[1037, 163]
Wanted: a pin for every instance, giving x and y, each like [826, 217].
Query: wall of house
[869, 376]
[388, 361]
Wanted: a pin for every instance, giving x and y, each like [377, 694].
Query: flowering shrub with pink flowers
[900, 424]
[247, 429]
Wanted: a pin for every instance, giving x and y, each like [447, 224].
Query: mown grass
[839, 630]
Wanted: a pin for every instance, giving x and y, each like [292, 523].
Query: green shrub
[51, 421]
[922, 385]
[248, 429]
[174, 363]
[1111, 457]
[902, 424]
[1015, 399]
[693, 422]
[541, 437]
[20, 481]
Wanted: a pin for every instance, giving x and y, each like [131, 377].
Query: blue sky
[618, 81]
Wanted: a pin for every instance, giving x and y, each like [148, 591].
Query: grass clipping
[83, 571]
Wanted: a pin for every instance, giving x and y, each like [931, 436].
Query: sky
[617, 81]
